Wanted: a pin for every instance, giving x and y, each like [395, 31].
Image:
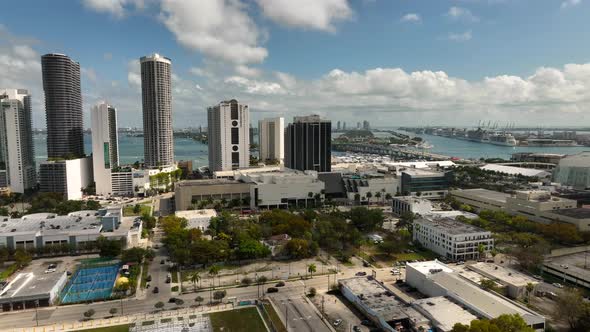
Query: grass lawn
[116, 328]
[246, 320]
[275, 318]
[128, 210]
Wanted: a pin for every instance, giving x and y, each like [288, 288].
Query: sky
[391, 62]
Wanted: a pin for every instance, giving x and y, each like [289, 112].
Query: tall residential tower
[17, 153]
[105, 146]
[156, 96]
[228, 135]
[308, 144]
[63, 106]
[272, 139]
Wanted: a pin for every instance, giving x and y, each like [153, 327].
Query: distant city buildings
[156, 92]
[366, 125]
[228, 135]
[17, 153]
[105, 146]
[67, 170]
[63, 106]
[338, 125]
[344, 126]
[308, 143]
[272, 139]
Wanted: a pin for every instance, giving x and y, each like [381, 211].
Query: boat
[504, 139]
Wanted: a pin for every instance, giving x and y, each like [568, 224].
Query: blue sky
[389, 61]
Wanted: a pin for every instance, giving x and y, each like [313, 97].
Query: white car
[337, 322]
[395, 271]
[558, 285]
[50, 270]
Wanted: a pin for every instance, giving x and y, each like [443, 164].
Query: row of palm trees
[214, 270]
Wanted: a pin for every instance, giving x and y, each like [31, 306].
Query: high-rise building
[366, 125]
[17, 153]
[344, 126]
[156, 96]
[272, 139]
[358, 125]
[63, 106]
[105, 146]
[308, 142]
[228, 133]
[338, 125]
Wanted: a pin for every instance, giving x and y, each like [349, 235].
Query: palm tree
[530, 287]
[388, 196]
[357, 197]
[481, 249]
[369, 195]
[199, 299]
[196, 277]
[378, 195]
[213, 271]
[311, 268]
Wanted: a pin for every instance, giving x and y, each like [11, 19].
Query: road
[51, 315]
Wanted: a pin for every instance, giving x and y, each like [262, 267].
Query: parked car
[361, 274]
[538, 277]
[172, 300]
[272, 290]
[558, 285]
[356, 329]
[149, 278]
[163, 261]
[156, 290]
[460, 262]
[280, 284]
[337, 322]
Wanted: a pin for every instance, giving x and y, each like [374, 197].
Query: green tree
[219, 295]
[199, 300]
[311, 268]
[22, 258]
[312, 291]
[214, 271]
[487, 284]
[481, 248]
[502, 323]
[571, 306]
[246, 281]
[261, 280]
[195, 278]
[530, 287]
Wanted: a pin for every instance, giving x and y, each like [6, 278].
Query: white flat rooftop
[502, 274]
[426, 267]
[443, 312]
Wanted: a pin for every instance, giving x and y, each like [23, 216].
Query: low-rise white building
[443, 313]
[435, 279]
[452, 239]
[514, 281]
[374, 183]
[199, 219]
[415, 205]
[282, 189]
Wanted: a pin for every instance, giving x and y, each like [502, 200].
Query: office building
[308, 144]
[344, 126]
[272, 139]
[574, 171]
[515, 282]
[338, 126]
[228, 135]
[105, 146]
[66, 177]
[366, 125]
[156, 93]
[535, 205]
[443, 313]
[17, 153]
[188, 193]
[63, 106]
[452, 239]
[199, 219]
[282, 189]
[32, 289]
[434, 279]
[425, 182]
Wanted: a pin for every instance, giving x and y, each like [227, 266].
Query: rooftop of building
[484, 194]
[449, 225]
[411, 199]
[485, 302]
[206, 182]
[503, 274]
[577, 213]
[430, 267]
[512, 170]
[422, 164]
[32, 285]
[421, 172]
[443, 312]
[283, 177]
[232, 173]
[581, 159]
[197, 214]
[50, 223]
[309, 118]
[155, 56]
[380, 300]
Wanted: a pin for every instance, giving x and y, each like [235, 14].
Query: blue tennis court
[90, 283]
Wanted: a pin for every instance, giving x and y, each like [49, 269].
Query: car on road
[538, 277]
[272, 290]
[172, 300]
[356, 329]
[361, 274]
[366, 322]
[337, 322]
[395, 271]
[558, 285]
[163, 261]
[156, 290]
[460, 262]
[280, 284]
[149, 278]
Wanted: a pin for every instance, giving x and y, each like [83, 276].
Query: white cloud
[219, 29]
[570, 3]
[411, 17]
[248, 71]
[460, 37]
[255, 87]
[460, 13]
[89, 74]
[134, 74]
[307, 14]
[117, 8]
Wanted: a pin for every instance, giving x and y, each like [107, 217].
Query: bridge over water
[396, 152]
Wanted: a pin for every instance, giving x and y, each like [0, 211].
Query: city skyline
[449, 63]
